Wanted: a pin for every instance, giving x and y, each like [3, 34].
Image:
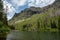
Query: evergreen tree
[3, 16]
[1, 9]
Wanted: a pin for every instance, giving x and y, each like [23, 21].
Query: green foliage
[4, 28]
[47, 21]
[59, 22]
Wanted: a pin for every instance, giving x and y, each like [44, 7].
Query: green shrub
[4, 28]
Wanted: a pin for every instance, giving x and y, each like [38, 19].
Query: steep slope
[33, 10]
[37, 19]
[26, 14]
[48, 21]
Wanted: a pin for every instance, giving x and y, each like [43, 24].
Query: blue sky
[19, 5]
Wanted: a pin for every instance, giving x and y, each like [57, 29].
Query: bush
[4, 28]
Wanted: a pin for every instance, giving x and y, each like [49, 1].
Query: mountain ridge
[33, 10]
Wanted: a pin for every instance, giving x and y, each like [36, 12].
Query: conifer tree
[3, 15]
[1, 10]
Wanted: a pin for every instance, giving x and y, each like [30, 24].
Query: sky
[16, 6]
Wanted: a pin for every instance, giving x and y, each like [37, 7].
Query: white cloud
[9, 6]
[40, 3]
[36, 3]
[19, 2]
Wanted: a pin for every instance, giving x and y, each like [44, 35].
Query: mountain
[37, 19]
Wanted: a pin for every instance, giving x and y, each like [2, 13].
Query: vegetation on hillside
[47, 21]
[38, 19]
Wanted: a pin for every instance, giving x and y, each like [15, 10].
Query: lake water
[16, 35]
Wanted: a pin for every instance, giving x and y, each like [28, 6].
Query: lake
[17, 35]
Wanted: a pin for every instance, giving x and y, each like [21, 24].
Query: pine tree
[1, 9]
[3, 15]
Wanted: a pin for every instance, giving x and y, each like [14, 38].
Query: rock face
[33, 10]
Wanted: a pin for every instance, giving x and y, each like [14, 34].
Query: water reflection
[16, 35]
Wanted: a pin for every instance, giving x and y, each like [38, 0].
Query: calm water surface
[16, 35]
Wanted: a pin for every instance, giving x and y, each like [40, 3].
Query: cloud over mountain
[14, 5]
